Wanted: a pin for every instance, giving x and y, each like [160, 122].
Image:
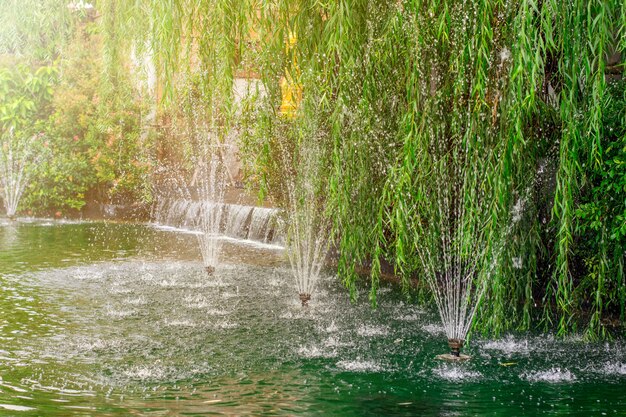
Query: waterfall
[254, 223]
[265, 226]
[237, 219]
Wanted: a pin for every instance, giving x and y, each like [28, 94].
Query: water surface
[120, 319]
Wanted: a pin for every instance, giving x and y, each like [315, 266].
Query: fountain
[458, 243]
[308, 226]
[211, 179]
[132, 320]
[18, 161]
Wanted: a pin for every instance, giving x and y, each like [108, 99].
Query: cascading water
[18, 160]
[237, 219]
[264, 226]
[258, 224]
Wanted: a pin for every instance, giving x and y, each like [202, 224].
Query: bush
[601, 217]
[96, 142]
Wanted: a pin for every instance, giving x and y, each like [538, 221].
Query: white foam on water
[434, 329]
[225, 325]
[253, 243]
[227, 295]
[120, 314]
[217, 283]
[179, 323]
[170, 283]
[274, 282]
[137, 301]
[12, 387]
[315, 352]
[174, 229]
[217, 312]
[359, 366]
[240, 241]
[508, 345]
[198, 305]
[456, 373]
[552, 375]
[614, 368]
[409, 317]
[147, 277]
[369, 331]
[84, 344]
[118, 289]
[333, 341]
[84, 275]
[193, 299]
[203, 284]
[332, 328]
[146, 373]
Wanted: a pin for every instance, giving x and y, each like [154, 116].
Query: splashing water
[18, 159]
[459, 242]
[212, 180]
[308, 226]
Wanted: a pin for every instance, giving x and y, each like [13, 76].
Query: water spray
[308, 225]
[19, 159]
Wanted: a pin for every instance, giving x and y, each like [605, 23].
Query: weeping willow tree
[507, 82]
[193, 46]
[488, 113]
[35, 29]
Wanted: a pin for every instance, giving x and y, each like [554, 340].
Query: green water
[117, 320]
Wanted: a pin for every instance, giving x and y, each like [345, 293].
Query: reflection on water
[120, 319]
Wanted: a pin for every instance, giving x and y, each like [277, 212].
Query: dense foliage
[407, 91]
[24, 104]
[601, 218]
[92, 128]
[36, 30]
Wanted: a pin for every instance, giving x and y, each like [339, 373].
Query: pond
[114, 319]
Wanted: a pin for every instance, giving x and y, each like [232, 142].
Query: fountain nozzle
[455, 347]
[209, 269]
[305, 298]
[455, 354]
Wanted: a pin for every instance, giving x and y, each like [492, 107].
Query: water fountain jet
[308, 225]
[18, 161]
[212, 193]
[459, 237]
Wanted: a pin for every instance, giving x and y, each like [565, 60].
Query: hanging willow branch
[414, 99]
